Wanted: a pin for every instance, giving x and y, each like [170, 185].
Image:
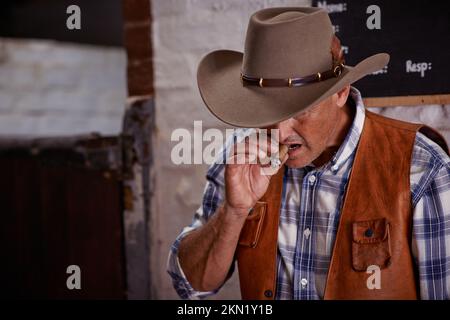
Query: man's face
[309, 133]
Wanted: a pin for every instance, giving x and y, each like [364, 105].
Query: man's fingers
[266, 148]
[242, 159]
[277, 163]
[245, 153]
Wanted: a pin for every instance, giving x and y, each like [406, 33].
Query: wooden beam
[407, 100]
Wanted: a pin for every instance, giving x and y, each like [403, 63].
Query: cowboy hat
[287, 66]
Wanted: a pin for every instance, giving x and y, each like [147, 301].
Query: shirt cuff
[180, 283]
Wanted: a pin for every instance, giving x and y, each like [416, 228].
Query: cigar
[275, 161]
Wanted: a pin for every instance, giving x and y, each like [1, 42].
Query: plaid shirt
[309, 216]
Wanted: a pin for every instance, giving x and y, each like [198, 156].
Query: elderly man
[360, 205]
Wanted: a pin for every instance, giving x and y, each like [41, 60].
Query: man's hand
[207, 253]
[247, 175]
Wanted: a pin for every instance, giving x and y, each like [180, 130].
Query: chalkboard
[416, 34]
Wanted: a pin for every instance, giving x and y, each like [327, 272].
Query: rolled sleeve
[180, 283]
[212, 198]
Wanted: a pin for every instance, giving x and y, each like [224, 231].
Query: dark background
[101, 21]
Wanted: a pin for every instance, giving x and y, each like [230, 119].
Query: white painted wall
[51, 88]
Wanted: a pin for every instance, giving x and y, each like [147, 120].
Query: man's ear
[342, 95]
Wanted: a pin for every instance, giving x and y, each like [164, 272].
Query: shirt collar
[351, 140]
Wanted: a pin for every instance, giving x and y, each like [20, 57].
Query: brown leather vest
[375, 225]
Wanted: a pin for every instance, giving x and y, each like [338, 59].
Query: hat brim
[218, 79]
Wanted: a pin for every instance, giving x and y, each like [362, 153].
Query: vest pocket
[371, 244]
[253, 224]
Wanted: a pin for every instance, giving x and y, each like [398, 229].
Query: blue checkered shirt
[310, 211]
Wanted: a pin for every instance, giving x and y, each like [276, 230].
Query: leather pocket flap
[371, 244]
[251, 230]
[370, 231]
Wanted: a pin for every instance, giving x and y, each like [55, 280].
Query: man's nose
[284, 130]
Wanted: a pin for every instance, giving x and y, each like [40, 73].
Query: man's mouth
[294, 146]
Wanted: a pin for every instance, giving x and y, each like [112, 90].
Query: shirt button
[368, 233]
[312, 179]
[335, 168]
[307, 233]
[268, 293]
[304, 283]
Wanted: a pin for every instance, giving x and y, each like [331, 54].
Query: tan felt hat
[287, 66]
